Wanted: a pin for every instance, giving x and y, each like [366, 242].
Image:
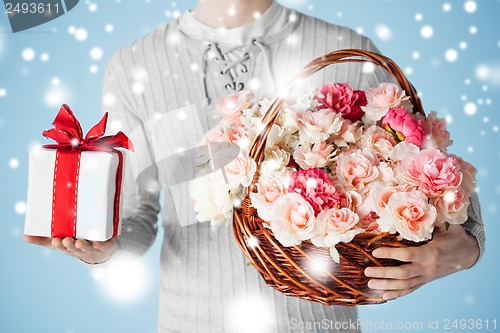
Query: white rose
[275, 161]
[409, 214]
[293, 220]
[317, 155]
[211, 202]
[319, 125]
[240, 171]
[269, 189]
[335, 226]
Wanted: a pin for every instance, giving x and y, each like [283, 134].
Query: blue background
[44, 291]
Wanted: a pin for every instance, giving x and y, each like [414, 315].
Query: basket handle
[335, 57]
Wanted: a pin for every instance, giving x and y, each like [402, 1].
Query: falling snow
[470, 109]
[477, 82]
[489, 73]
[13, 163]
[96, 53]
[55, 96]
[427, 31]
[109, 28]
[470, 6]
[123, 281]
[451, 55]
[92, 7]
[383, 32]
[20, 207]
[93, 69]
[44, 57]
[28, 54]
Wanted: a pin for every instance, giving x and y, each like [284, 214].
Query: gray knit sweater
[161, 90]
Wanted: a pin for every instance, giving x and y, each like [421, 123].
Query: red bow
[68, 134]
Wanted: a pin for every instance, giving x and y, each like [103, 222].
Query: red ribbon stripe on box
[68, 134]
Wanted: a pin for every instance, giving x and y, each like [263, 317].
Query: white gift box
[96, 188]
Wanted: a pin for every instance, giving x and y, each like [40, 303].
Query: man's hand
[89, 252]
[449, 251]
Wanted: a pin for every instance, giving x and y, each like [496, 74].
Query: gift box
[75, 185]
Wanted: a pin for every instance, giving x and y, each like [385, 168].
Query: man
[161, 90]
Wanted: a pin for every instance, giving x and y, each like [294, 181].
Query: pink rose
[379, 100]
[409, 214]
[335, 226]
[379, 141]
[314, 186]
[349, 199]
[369, 223]
[231, 106]
[452, 206]
[380, 195]
[436, 135]
[317, 126]
[240, 171]
[317, 155]
[355, 170]
[469, 174]
[433, 172]
[269, 189]
[400, 123]
[341, 98]
[293, 220]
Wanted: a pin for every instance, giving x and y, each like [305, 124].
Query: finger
[406, 254]
[69, 243]
[85, 246]
[58, 245]
[106, 246]
[393, 284]
[402, 272]
[392, 294]
[42, 241]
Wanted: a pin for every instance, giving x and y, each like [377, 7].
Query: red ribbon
[67, 132]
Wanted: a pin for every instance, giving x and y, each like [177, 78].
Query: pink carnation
[399, 122]
[314, 186]
[436, 135]
[341, 98]
[433, 172]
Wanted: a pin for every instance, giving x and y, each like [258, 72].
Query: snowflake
[109, 28]
[470, 6]
[451, 55]
[13, 163]
[96, 53]
[28, 54]
[20, 207]
[383, 32]
[44, 57]
[427, 31]
[470, 109]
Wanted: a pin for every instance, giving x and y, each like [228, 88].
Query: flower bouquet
[321, 178]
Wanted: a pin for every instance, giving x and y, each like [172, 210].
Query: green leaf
[447, 225]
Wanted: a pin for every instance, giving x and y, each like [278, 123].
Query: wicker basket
[288, 269]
